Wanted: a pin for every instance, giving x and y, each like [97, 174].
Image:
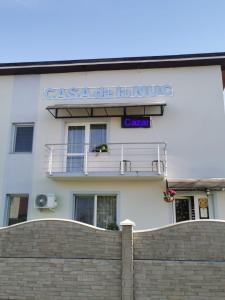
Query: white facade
[192, 126]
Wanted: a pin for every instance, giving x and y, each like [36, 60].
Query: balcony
[112, 160]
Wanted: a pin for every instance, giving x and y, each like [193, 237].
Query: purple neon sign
[135, 122]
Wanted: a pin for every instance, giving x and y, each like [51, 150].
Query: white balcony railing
[118, 159]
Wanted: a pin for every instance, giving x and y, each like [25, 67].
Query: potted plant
[169, 195]
[101, 148]
[112, 226]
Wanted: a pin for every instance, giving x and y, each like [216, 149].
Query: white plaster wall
[6, 83]
[192, 119]
[24, 103]
[140, 201]
[19, 107]
[193, 126]
[219, 204]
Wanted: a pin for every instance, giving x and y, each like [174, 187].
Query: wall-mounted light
[207, 192]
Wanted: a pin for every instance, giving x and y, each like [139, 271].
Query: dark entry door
[183, 209]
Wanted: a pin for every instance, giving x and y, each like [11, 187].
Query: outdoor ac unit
[46, 201]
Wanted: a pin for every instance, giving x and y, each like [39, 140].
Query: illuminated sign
[139, 91]
[135, 122]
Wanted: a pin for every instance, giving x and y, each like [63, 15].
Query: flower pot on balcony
[101, 148]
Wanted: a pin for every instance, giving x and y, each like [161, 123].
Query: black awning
[64, 111]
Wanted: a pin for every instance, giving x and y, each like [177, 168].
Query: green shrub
[112, 226]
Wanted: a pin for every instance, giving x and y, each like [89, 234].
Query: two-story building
[101, 140]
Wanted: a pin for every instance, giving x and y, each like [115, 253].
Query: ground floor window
[17, 206]
[97, 210]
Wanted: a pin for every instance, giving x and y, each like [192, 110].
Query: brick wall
[59, 259]
[176, 280]
[59, 239]
[198, 240]
[52, 259]
[183, 261]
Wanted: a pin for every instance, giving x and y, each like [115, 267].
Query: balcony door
[76, 140]
[79, 137]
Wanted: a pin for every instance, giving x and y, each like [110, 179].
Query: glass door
[75, 149]
[184, 209]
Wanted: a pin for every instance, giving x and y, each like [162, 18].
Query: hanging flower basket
[169, 195]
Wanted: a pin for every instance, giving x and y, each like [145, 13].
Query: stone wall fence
[62, 259]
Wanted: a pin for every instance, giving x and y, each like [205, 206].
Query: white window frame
[7, 206]
[196, 204]
[87, 126]
[95, 194]
[14, 131]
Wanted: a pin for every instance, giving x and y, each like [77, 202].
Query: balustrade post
[86, 160]
[159, 164]
[50, 161]
[122, 161]
[165, 154]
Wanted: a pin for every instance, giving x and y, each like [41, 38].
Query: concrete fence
[61, 259]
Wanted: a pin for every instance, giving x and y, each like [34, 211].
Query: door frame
[183, 198]
[87, 131]
[86, 137]
[196, 195]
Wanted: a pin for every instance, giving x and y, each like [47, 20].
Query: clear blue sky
[35, 30]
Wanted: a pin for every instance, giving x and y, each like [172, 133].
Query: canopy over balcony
[92, 110]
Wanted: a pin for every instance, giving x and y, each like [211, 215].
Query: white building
[106, 137]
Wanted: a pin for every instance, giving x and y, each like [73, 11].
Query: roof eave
[124, 63]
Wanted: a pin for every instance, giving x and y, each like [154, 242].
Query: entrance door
[184, 209]
[75, 149]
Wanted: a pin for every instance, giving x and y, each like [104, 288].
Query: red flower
[171, 192]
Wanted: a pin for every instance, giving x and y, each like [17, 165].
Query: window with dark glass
[97, 210]
[17, 209]
[23, 138]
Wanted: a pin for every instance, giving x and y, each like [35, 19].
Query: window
[97, 135]
[23, 137]
[98, 210]
[17, 207]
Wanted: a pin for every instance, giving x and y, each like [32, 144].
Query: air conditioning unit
[46, 201]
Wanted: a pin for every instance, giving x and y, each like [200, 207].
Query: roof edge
[120, 63]
[117, 59]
